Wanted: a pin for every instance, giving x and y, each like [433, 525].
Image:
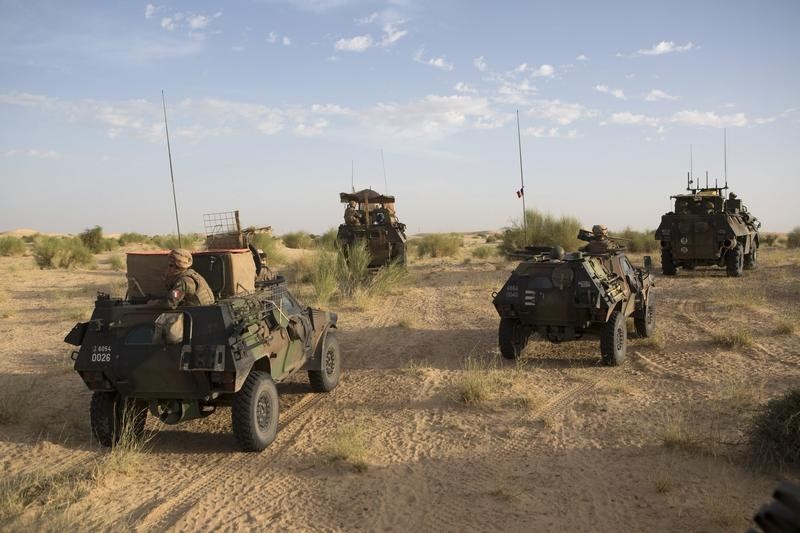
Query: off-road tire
[326, 379]
[688, 267]
[614, 340]
[512, 338]
[734, 261]
[254, 413]
[668, 267]
[645, 319]
[751, 259]
[108, 414]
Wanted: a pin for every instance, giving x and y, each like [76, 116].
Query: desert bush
[438, 244]
[117, 262]
[490, 239]
[349, 445]
[476, 382]
[269, 245]
[30, 239]
[323, 277]
[297, 239]
[189, 241]
[793, 238]
[54, 252]
[768, 239]
[11, 246]
[775, 432]
[133, 238]
[785, 327]
[92, 239]
[732, 339]
[483, 252]
[543, 229]
[639, 241]
[327, 241]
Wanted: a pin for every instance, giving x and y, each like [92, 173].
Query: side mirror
[648, 263]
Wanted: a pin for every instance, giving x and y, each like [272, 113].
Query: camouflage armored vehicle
[707, 228]
[565, 297]
[371, 216]
[138, 354]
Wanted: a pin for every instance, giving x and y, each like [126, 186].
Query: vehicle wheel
[325, 380]
[734, 261]
[668, 267]
[751, 259]
[645, 319]
[614, 340]
[113, 416]
[688, 267]
[512, 337]
[254, 414]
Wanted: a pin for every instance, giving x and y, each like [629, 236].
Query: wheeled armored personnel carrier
[371, 217]
[137, 354]
[568, 296]
[707, 228]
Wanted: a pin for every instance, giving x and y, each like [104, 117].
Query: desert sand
[560, 443]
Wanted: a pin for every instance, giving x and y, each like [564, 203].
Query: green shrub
[117, 262]
[775, 432]
[133, 238]
[793, 239]
[188, 241]
[352, 268]
[438, 244]
[327, 241]
[297, 239]
[55, 252]
[30, 239]
[768, 239]
[639, 241]
[11, 246]
[482, 252]
[269, 245]
[110, 245]
[490, 239]
[323, 276]
[93, 239]
[543, 229]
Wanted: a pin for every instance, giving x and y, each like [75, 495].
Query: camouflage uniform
[186, 287]
[351, 215]
[600, 243]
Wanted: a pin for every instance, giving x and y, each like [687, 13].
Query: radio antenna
[706, 179]
[725, 153]
[352, 173]
[522, 185]
[691, 163]
[385, 183]
[171, 174]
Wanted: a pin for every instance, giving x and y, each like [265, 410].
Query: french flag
[520, 193]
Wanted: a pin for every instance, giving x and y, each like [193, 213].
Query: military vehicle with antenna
[138, 354]
[569, 296]
[708, 228]
[371, 217]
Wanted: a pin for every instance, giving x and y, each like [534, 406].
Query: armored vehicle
[565, 297]
[371, 216]
[707, 228]
[137, 354]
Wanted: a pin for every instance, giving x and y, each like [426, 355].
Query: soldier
[186, 287]
[600, 242]
[351, 215]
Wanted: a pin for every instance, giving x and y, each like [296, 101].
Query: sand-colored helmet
[599, 230]
[352, 203]
[180, 258]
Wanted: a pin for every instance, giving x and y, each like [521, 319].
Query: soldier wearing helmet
[186, 287]
[352, 217]
[600, 242]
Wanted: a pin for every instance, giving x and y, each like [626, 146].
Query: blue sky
[269, 102]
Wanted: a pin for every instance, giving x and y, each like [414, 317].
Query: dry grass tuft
[737, 394]
[724, 511]
[616, 385]
[785, 327]
[733, 339]
[476, 382]
[775, 432]
[677, 433]
[15, 397]
[663, 478]
[349, 445]
[655, 341]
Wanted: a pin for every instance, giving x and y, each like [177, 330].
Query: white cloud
[312, 129]
[369, 19]
[545, 71]
[769, 120]
[286, 41]
[616, 93]
[480, 63]
[661, 48]
[709, 118]
[391, 34]
[562, 113]
[657, 94]
[629, 118]
[515, 93]
[272, 37]
[34, 153]
[438, 62]
[354, 44]
[582, 57]
[167, 23]
[462, 87]
[149, 11]
[551, 132]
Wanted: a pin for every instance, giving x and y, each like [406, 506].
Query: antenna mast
[522, 185]
[725, 153]
[352, 173]
[691, 165]
[171, 174]
[385, 183]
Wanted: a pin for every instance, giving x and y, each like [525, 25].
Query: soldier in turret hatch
[185, 286]
[352, 217]
[600, 242]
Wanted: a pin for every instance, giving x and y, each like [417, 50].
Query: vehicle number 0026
[101, 354]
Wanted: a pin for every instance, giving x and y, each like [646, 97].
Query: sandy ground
[561, 443]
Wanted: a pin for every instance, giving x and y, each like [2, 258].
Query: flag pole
[522, 185]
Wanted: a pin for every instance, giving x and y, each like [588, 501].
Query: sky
[272, 103]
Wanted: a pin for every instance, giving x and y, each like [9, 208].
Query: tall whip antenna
[352, 172]
[171, 174]
[725, 153]
[522, 184]
[691, 164]
[385, 183]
